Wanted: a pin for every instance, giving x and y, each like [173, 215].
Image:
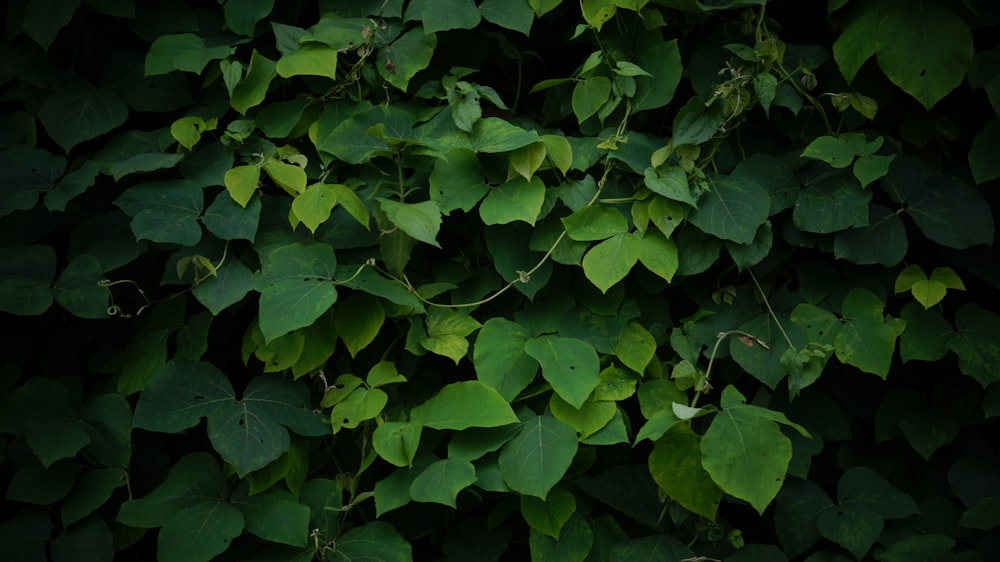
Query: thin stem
[771, 310]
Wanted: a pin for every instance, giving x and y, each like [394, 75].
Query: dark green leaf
[374, 541]
[186, 52]
[442, 481]
[568, 364]
[407, 55]
[296, 287]
[676, 465]
[573, 544]
[538, 456]
[976, 344]
[442, 15]
[273, 515]
[833, 204]
[855, 527]
[164, 211]
[733, 209]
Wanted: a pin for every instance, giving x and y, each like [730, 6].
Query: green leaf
[732, 210]
[310, 59]
[610, 261]
[442, 15]
[536, 458]
[927, 431]
[548, 516]
[870, 168]
[574, 544]
[659, 254]
[799, 501]
[663, 61]
[653, 547]
[186, 52]
[927, 334]
[419, 220]
[636, 347]
[855, 527]
[985, 145]
[274, 515]
[589, 95]
[510, 14]
[832, 205]
[44, 18]
[494, 135]
[446, 333]
[375, 541]
[195, 478]
[228, 286]
[92, 490]
[864, 486]
[676, 464]
[500, 358]
[924, 49]
[746, 454]
[442, 481]
[696, 123]
[586, 420]
[527, 159]
[80, 112]
[516, 200]
[358, 320]
[858, 41]
[229, 221]
[90, 539]
[570, 365]
[78, 290]
[351, 203]
[296, 287]
[242, 17]
[410, 53]
[456, 182]
[670, 182]
[920, 548]
[836, 152]
[250, 91]
[882, 242]
[397, 442]
[595, 222]
[289, 177]
[865, 340]
[242, 182]
[26, 274]
[164, 211]
[462, 405]
[360, 405]
[249, 432]
[976, 344]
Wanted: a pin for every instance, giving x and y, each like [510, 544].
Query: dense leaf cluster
[507, 279]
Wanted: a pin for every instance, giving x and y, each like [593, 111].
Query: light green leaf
[410, 53]
[746, 454]
[494, 135]
[670, 182]
[397, 442]
[597, 12]
[442, 481]
[548, 516]
[310, 59]
[589, 95]
[527, 159]
[80, 112]
[313, 206]
[675, 463]
[358, 319]
[241, 183]
[865, 340]
[925, 49]
[570, 365]
[659, 254]
[595, 222]
[250, 91]
[446, 332]
[610, 261]
[538, 457]
[419, 220]
[516, 200]
[353, 204]
[834, 151]
[586, 420]
[287, 176]
[636, 347]
[456, 182]
[733, 209]
[186, 52]
[360, 405]
[500, 358]
[462, 405]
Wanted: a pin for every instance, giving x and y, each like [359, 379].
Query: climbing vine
[510, 279]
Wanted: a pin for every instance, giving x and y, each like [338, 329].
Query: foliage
[515, 279]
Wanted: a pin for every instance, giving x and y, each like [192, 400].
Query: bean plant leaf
[164, 211]
[397, 442]
[975, 343]
[442, 15]
[77, 113]
[186, 52]
[595, 222]
[420, 220]
[549, 516]
[745, 453]
[676, 464]
[511, 14]
[538, 457]
[249, 432]
[516, 200]
[377, 540]
[610, 261]
[865, 340]
[296, 286]
[500, 357]
[732, 210]
[924, 49]
[446, 333]
[568, 364]
[408, 54]
[663, 62]
[442, 481]
[457, 181]
[981, 161]
[463, 405]
[358, 320]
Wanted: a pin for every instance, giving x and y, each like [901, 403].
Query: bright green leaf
[568, 364]
[442, 481]
[536, 458]
[419, 220]
[516, 200]
[462, 405]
